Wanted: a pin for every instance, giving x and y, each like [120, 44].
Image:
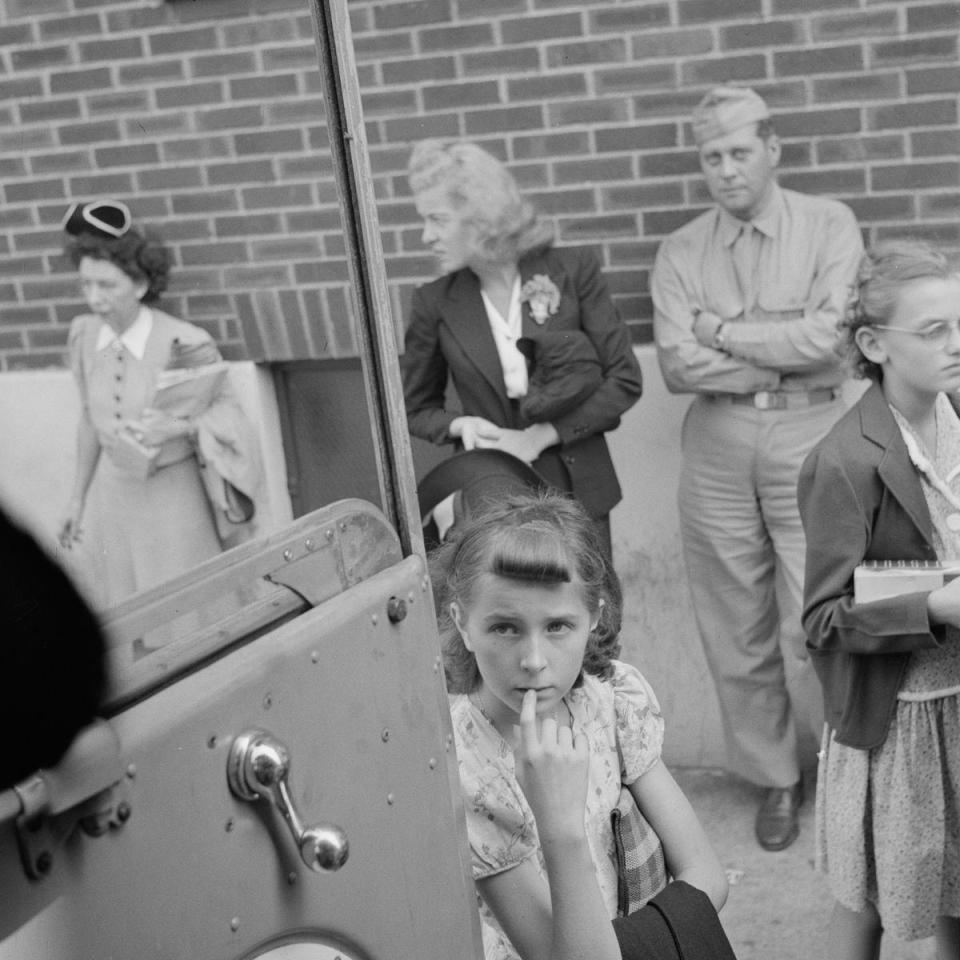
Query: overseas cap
[725, 109]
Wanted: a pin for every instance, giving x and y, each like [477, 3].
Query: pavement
[778, 905]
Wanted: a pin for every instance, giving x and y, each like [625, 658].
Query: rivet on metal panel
[374, 619]
[410, 597]
[228, 826]
[391, 799]
[432, 763]
[329, 534]
[288, 554]
[343, 524]
[449, 740]
[267, 702]
[292, 877]
[309, 544]
[396, 609]
[212, 740]
[234, 924]
[131, 771]
[315, 656]
[423, 585]
[123, 811]
[385, 736]
[44, 862]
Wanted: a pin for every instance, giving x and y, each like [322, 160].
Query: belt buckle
[765, 400]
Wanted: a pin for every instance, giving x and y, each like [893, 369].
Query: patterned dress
[618, 713]
[888, 819]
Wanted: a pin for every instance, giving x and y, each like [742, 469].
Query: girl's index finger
[528, 717]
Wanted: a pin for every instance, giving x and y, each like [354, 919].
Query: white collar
[134, 338]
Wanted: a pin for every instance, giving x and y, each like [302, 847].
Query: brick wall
[206, 116]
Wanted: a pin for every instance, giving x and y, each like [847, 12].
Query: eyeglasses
[936, 334]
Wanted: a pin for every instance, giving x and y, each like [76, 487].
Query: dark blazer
[860, 499]
[448, 334]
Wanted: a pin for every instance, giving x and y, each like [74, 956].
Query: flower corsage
[542, 295]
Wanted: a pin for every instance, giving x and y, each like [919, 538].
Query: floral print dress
[621, 720]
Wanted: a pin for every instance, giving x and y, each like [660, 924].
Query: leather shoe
[777, 821]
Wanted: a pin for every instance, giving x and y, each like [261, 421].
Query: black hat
[103, 218]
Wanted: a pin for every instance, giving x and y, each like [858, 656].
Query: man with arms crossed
[747, 297]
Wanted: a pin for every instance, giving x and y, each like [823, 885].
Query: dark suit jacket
[449, 335]
[860, 499]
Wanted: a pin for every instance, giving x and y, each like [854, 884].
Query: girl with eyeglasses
[884, 484]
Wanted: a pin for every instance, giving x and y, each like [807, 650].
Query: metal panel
[358, 698]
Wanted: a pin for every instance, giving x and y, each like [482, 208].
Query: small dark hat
[103, 218]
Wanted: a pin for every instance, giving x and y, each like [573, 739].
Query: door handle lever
[258, 766]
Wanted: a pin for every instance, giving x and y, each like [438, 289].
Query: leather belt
[781, 399]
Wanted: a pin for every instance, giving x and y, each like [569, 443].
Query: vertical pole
[376, 333]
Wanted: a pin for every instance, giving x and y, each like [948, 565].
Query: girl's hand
[71, 531]
[525, 445]
[943, 604]
[551, 767]
[474, 432]
[155, 427]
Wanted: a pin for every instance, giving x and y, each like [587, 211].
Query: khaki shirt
[810, 248]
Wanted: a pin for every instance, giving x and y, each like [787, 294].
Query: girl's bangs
[531, 553]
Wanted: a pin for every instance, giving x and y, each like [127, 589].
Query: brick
[124, 155]
[452, 95]
[580, 229]
[555, 202]
[419, 70]
[15, 9]
[247, 225]
[628, 18]
[180, 42]
[248, 171]
[630, 253]
[508, 118]
[12, 217]
[209, 305]
[632, 79]
[139, 18]
[566, 55]
[538, 29]
[18, 266]
[938, 16]
[46, 337]
[915, 176]
[151, 71]
[790, 6]
[379, 47]
[212, 253]
[281, 195]
[257, 275]
[669, 164]
[300, 57]
[209, 201]
[839, 180]
[845, 59]
[672, 44]
[636, 137]
[190, 94]
[912, 114]
[807, 123]
[259, 32]
[547, 86]
[169, 178]
[499, 62]
[549, 145]
[104, 51]
[97, 132]
[286, 248]
[103, 185]
[869, 209]
[264, 88]
[223, 64]
[795, 155]
[611, 110]
[76, 81]
[228, 118]
[694, 11]
[444, 39]
[51, 189]
[161, 125]
[269, 141]
[531, 176]
[773, 33]
[400, 15]
[20, 88]
[933, 206]
[134, 101]
[26, 138]
[470, 9]
[903, 52]
[17, 34]
[16, 166]
[947, 234]
[855, 26]
[659, 223]
[34, 361]
[592, 171]
[860, 149]
[48, 111]
[858, 87]
[934, 143]
[40, 58]
[641, 196]
[390, 103]
[724, 69]
[937, 80]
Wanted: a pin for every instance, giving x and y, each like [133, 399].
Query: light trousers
[744, 551]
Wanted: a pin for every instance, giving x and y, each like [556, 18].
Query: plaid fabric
[641, 869]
